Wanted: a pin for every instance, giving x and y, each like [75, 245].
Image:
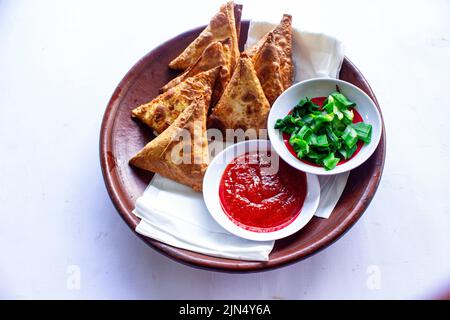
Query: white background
[59, 64]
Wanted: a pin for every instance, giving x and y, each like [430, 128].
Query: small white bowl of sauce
[252, 193]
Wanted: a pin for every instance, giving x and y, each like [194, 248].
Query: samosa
[268, 69]
[221, 27]
[160, 113]
[217, 54]
[282, 34]
[243, 104]
[181, 152]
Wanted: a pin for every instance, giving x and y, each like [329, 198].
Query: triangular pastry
[282, 35]
[216, 54]
[221, 27]
[243, 104]
[160, 113]
[181, 152]
[267, 66]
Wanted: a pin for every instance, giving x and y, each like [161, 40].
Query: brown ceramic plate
[121, 137]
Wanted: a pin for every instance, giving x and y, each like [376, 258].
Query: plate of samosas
[204, 79]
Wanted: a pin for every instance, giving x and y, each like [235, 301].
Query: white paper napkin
[176, 215]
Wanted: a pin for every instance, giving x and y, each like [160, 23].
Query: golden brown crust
[181, 152]
[243, 104]
[282, 35]
[217, 54]
[267, 66]
[160, 113]
[221, 26]
[283, 40]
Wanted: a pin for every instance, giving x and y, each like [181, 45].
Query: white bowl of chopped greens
[324, 126]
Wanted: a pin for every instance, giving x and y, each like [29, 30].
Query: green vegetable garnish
[363, 130]
[330, 161]
[350, 136]
[324, 135]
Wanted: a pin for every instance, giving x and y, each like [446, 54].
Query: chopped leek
[324, 134]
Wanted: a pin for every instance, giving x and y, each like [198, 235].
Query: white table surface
[60, 236]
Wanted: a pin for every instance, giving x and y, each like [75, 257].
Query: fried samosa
[282, 34]
[221, 27]
[268, 69]
[243, 104]
[217, 54]
[160, 113]
[181, 152]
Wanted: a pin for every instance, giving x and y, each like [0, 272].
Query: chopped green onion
[304, 133]
[324, 135]
[342, 100]
[348, 115]
[321, 141]
[350, 136]
[330, 161]
[364, 131]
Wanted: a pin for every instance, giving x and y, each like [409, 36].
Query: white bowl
[211, 183]
[322, 87]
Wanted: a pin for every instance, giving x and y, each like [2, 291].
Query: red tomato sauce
[258, 199]
[319, 101]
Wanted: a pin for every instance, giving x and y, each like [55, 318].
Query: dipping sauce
[258, 198]
[319, 101]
